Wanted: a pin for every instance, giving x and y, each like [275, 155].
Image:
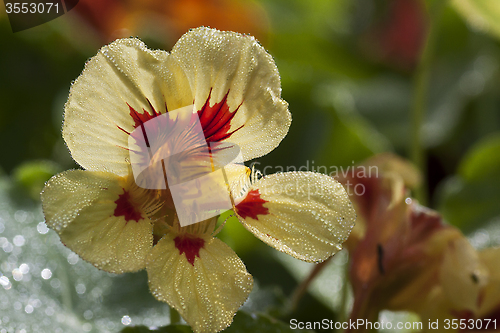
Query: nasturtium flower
[404, 257]
[467, 289]
[103, 215]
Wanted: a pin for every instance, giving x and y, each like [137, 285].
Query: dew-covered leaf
[45, 287]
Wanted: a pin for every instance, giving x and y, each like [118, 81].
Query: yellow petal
[207, 289]
[83, 208]
[463, 276]
[123, 75]
[207, 65]
[307, 215]
[489, 257]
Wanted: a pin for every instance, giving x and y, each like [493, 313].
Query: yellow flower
[102, 213]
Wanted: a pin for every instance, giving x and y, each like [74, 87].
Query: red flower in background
[397, 37]
[166, 21]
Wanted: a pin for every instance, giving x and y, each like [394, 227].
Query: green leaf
[482, 14]
[482, 161]
[235, 235]
[32, 175]
[470, 199]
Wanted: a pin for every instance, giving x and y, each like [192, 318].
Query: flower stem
[301, 289]
[175, 317]
[420, 90]
[344, 295]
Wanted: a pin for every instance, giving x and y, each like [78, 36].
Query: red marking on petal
[125, 208]
[141, 118]
[252, 206]
[216, 119]
[189, 246]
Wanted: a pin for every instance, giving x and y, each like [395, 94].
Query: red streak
[216, 120]
[125, 208]
[141, 118]
[252, 206]
[189, 246]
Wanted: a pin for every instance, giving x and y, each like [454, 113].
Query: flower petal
[206, 290]
[119, 83]
[463, 275]
[491, 301]
[91, 213]
[233, 80]
[304, 214]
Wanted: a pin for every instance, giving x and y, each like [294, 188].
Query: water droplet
[42, 228]
[4, 281]
[24, 268]
[80, 288]
[88, 314]
[46, 274]
[17, 275]
[55, 283]
[126, 320]
[18, 240]
[21, 215]
[73, 258]
[49, 311]
[28, 308]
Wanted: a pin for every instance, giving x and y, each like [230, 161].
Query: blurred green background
[349, 71]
